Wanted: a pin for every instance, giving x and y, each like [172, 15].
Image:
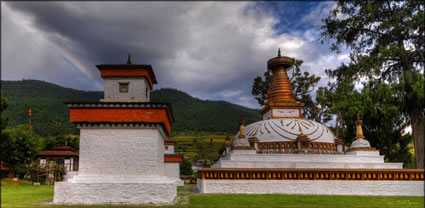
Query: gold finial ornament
[129, 59]
[278, 52]
[242, 127]
[359, 130]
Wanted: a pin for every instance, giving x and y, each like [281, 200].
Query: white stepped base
[316, 187]
[356, 159]
[120, 190]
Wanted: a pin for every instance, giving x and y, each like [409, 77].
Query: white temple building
[285, 153]
[123, 159]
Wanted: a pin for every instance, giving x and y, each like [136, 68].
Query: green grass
[276, 200]
[22, 194]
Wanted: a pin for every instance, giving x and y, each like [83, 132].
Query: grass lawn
[21, 194]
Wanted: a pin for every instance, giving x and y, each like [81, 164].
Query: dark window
[124, 87]
[59, 162]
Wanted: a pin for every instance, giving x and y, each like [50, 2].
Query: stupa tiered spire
[280, 95]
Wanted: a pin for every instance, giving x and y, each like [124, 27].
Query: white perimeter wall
[120, 151]
[372, 188]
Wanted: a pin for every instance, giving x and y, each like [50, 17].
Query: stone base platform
[352, 160]
[80, 190]
[313, 187]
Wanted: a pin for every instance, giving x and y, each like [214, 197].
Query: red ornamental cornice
[52, 152]
[105, 112]
[173, 158]
[129, 70]
[170, 142]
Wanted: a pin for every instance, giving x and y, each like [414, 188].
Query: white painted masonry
[170, 149]
[136, 90]
[141, 192]
[119, 165]
[172, 170]
[121, 151]
[313, 187]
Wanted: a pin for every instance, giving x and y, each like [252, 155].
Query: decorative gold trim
[285, 146]
[243, 148]
[362, 149]
[312, 174]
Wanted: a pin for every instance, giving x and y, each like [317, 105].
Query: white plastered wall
[172, 170]
[136, 90]
[170, 149]
[121, 151]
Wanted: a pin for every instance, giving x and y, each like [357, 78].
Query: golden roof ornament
[242, 127]
[129, 59]
[360, 144]
[359, 130]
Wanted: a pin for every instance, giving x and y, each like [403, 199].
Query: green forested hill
[50, 116]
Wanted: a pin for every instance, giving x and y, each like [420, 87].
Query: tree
[21, 145]
[186, 167]
[3, 106]
[71, 141]
[379, 107]
[302, 85]
[386, 40]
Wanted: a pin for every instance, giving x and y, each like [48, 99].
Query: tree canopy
[386, 43]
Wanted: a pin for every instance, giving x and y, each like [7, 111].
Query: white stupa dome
[288, 129]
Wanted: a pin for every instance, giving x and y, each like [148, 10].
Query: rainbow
[76, 63]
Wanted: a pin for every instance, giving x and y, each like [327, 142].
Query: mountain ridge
[50, 116]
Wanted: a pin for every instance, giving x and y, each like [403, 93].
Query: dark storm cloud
[212, 50]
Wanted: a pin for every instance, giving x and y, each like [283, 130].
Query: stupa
[286, 153]
[122, 143]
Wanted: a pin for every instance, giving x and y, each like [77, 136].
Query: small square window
[123, 87]
[166, 147]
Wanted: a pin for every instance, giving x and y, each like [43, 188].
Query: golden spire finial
[359, 130]
[129, 59]
[278, 52]
[242, 121]
[242, 127]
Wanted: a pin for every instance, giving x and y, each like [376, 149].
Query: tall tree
[3, 106]
[386, 39]
[302, 85]
[379, 107]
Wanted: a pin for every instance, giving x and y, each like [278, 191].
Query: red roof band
[173, 158]
[122, 115]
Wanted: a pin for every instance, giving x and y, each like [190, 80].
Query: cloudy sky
[211, 50]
